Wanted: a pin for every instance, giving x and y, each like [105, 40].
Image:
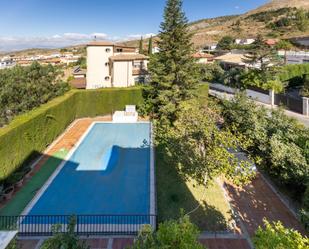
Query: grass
[175, 193]
[19, 202]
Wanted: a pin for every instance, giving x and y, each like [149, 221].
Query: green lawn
[175, 193]
[18, 203]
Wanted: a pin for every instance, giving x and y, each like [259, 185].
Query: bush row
[32, 132]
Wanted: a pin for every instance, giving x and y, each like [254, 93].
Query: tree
[212, 72]
[150, 46]
[226, 43]
[275, 236]
[141, 46]
[173, 71]
[302, 20]
[67, 240]
[180, 234]
[264, 68]
[201, 149]
[305, 90]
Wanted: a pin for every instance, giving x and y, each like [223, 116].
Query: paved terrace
[252, 203]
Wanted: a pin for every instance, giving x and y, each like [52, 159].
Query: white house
[244, 41]
[112, 65]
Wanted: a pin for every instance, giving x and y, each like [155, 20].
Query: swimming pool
[110, 172]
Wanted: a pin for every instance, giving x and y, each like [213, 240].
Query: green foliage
[284, 44]
[302, 20]
[180, 234]
[305, 90]
[39, 128]
[141, 46]
[265, 75]
[212, 72]
[82, 62]
[173, 71]
[150, 46]
[24, 88]
[226, 43]
[200, 148]
[290, 71]
[279, 142]
[66, 240]
[267, 16]
[276, 236]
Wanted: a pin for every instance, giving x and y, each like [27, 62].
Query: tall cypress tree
[141, 48]
[150, 46]
[173, 70]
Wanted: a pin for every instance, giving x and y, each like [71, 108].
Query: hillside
[275, 19]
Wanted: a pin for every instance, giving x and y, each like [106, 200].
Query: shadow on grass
[173, 195]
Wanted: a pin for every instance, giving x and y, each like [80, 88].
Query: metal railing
[44, 225]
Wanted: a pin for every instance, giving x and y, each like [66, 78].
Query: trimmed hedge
[32, 132]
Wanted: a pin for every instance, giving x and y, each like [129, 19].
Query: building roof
[107, 43]
[232, 58]
[202, 55]
[79, 71]
[128, 57]
[79, 83]
[100, 43]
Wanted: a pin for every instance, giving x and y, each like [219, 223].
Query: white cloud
[14, 43]
[237, 7]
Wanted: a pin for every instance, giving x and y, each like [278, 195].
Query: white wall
[122, 74]
[97, 57]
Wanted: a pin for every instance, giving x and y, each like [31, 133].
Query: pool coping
[38, 195]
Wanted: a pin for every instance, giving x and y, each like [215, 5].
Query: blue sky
[49, 23]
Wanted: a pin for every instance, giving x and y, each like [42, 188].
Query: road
[301, 118]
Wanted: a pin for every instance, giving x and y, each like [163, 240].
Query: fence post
[272, 97]
[305, 106]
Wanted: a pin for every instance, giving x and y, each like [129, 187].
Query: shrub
[276, 236]
[34, 131]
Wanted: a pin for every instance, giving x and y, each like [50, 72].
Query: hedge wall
[35, 130]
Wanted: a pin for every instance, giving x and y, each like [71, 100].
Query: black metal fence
[46, 225]
[293, 103]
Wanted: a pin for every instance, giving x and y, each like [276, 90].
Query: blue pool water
[108, 174]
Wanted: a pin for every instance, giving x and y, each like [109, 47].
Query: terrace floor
[252, 203]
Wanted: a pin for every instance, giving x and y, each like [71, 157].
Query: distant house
[231, 60]
[295, 57]
[272, 42]
[244, 41]
[6, 63]
[207, 47]
[112, 65]
[203, 58]
[79, 80]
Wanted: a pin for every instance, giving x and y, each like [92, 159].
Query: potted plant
[19, 179]
[8, 192]
[1, 192]
[27, 172]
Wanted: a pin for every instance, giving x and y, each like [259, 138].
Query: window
[108, 50]
[107, 64]
[107, 78]
[119, 50]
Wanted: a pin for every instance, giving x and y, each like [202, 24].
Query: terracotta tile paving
[122, 243]
[256, 201]
[225, 243]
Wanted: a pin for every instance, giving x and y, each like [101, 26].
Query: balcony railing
[44, 225]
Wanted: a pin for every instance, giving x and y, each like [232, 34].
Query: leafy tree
[275, 236]
[302, 20]
[24, 88]
[180, 234]
[82, 62]
[264, 71]
[150, 46]
[64, 240]
[284, 45]
[212, 72]
[141, 46]
[201, 149]
[226, 43]
[173, 71]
